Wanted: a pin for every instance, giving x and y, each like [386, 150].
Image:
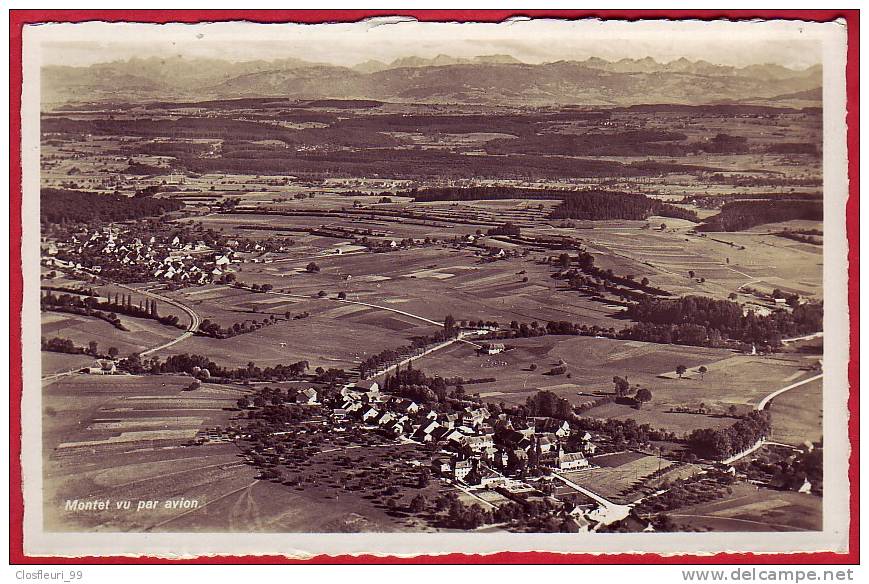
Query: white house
[571, 461]
[307, 396]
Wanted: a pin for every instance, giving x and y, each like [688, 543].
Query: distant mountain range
[490, 79]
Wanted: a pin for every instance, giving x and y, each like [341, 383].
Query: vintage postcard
[402, 287]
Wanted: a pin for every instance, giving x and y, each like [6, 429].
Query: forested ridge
[595, 205]
[699, 320]
[62, 205]
[740, 215]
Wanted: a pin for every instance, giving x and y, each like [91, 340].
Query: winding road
[195, 321]
[763, 403]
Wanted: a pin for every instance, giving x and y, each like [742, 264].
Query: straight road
[608, 512]
[803, 338]
[395, 310]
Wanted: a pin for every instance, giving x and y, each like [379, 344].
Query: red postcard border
[19, 18]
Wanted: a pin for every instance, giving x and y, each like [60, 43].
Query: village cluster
[471, 448]
[112, 249]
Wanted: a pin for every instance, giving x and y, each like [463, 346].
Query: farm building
[492, 348]
[102, 367]
[307, 396]
[462, 468]
[571, 461]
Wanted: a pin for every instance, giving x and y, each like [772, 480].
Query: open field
[329, 334]
[435, 281]
[624, 479]
[56, 362]
[331, 498]
[726, 261]
[797, 415]
[751, 508]
[124, 438]
[740, 380]
[755, 259]
[81, 330]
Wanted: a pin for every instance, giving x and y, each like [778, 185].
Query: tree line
[92, 306]
[691, 318]
[719, 443]
[202, 367]
[388, 357]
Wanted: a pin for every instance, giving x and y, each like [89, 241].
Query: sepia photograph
[405, 287]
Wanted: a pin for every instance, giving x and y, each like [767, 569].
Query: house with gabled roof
[560, 428]
[547, 443]
[386, 417]
[462, 468]
[404, 405]
[425, 433]
[395, 428]
[480, 442]
[486, 477]
[307, 396]
[474, 416]
[102, 367]
[449, 420]
[442, 465]
[369, 386]
[370, 414]
[512, 439]
[351, 406]
[571, 461]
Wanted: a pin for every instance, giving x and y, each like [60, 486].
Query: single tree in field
[312, 268]
[621, 385]
[417, 504]
[449, 325]
[342, 295]
[680, 370]
[691, 274]
[92, 348]
[644, 281]
[732, 296]
[643, 395]
[702, 370]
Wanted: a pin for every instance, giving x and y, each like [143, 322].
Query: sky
[792, 44]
